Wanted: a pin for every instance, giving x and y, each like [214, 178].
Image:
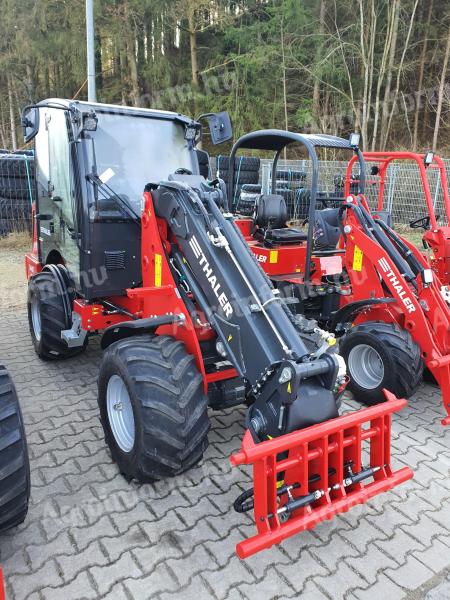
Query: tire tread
[14, 463]
[173, 406]
[404, 351]
[53, 320]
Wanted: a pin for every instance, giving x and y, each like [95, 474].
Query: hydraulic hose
[381, 238]
[402, 247]
[385, 242]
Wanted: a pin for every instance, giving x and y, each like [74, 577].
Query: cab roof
[118, 109]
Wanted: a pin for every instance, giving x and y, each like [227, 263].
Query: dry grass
[414, 236]
[13, 287]
[20, 241]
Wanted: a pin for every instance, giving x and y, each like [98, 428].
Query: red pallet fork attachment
[322, 468]
[2, 586]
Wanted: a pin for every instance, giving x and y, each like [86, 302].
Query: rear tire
[153, 408]
[47, 318]
[14, 463]
[381, 355]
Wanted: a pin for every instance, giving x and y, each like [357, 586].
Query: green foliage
[261, 60]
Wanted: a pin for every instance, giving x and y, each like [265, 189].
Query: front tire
[14, 463]
[381, 355]
[153, 408]
[47, 318]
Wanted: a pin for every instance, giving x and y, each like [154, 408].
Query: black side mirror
[30, 123]
[220, 127]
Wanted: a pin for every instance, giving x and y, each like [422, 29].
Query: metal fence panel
[403, 197]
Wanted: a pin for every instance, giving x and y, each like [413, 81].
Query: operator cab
[93, 162]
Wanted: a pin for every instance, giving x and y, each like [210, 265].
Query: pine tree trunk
[134, 80]
[316, 89]
[399, 73]
[382, 71]
[193, 46]
[441, 93]
[31, 82]
[131, 59]
[193, 42]
[421, 74]
[2, 138]
[390, 69]
[12, 119]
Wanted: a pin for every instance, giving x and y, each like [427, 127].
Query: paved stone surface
[91, 535]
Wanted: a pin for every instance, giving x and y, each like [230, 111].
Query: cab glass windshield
[132, 151]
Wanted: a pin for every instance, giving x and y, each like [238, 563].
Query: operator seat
[269, 223]
[204, 164]
[327, 230]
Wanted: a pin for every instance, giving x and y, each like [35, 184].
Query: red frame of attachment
[384, 159]
[313, 451]
[2, 586]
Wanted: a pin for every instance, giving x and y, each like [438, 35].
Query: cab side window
[60, 171]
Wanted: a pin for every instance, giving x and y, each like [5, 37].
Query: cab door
[62, 189]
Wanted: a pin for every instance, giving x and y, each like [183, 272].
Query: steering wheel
[183, 171]
[422, 222]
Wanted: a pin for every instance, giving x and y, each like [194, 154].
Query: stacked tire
[246, 172]
[291, 178]
[16, 186]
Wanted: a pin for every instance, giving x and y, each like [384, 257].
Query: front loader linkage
[309, 476]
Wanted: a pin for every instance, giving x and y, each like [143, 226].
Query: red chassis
[316, 456]
[437, 237]
[288, 262]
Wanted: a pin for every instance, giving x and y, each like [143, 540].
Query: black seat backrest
[326, 228]
[271, 211]
[203, 163]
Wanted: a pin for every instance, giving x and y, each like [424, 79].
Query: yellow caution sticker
[229, 338]
[273, 257]
[357, 259]
[158, 270]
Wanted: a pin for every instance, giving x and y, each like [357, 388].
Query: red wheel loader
[436, 237]
[354, 274]
[188, 319]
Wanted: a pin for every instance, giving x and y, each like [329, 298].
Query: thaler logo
[398, 287]
[212, 278]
